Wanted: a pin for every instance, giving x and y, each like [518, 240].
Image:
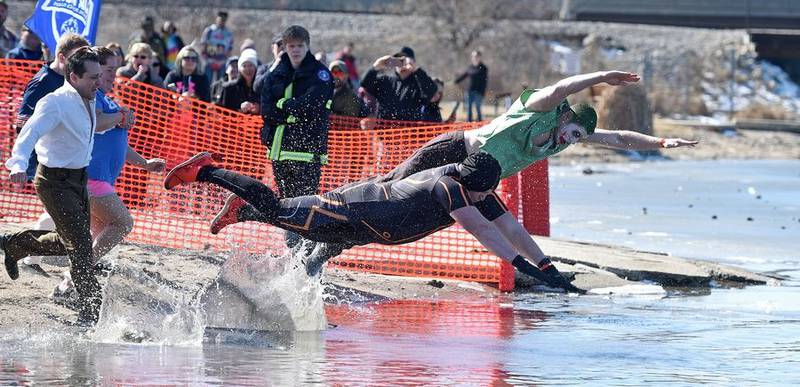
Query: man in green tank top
[539, 124]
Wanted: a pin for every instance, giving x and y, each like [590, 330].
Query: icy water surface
[744, 213]
[738, 337]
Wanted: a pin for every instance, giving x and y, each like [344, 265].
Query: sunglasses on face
[141, 57]
[190, 58]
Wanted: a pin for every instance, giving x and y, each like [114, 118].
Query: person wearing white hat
[238, 94]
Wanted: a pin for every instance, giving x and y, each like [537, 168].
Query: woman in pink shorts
[110, 219]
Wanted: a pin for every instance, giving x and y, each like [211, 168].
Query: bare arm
[549, 97]
[133, 157]
[106, 121]
[152, 165]
[386, 62]
[123, 119]
[484, 231]
[510, 228]
[626, 139]
[494, 239]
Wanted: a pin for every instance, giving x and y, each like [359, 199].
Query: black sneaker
[11, 264]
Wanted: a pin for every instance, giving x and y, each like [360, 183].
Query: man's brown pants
[65, 197]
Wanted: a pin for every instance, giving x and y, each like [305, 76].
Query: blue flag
[53, 18]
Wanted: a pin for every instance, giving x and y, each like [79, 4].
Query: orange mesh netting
[174, 128]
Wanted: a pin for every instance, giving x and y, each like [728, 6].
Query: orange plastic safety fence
[173, 127]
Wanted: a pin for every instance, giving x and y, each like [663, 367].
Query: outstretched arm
[484, 231]
[626, 139]
[152, 165]
[519, 237]
[549, 97]
[544, 270]
[493, 238]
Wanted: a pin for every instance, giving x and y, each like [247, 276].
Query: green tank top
[509, 137]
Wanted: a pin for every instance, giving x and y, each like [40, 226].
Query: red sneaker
[186, 172]
[229, 214]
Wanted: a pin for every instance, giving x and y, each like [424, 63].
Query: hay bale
[668, 102]
[764, 111]
[625, 108]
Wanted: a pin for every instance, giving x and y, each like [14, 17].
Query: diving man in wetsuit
[388, 213]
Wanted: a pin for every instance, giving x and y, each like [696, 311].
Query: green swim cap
[585, 116]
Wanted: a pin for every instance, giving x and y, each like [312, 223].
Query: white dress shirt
[61, 131]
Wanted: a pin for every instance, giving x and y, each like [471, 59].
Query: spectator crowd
[395, 87]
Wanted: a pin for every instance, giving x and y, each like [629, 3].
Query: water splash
[140, 306]
[251, 293]
[265, 292]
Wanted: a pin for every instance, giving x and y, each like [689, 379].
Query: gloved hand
[546, 273]
[556, 280]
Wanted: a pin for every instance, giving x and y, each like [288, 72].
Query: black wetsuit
[443, 149]
[363, 212]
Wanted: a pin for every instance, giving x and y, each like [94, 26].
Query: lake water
[720, 336]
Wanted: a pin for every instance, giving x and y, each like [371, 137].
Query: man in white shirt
[61, 131]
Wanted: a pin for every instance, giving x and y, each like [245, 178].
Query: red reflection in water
[421, 342]
[19, 372]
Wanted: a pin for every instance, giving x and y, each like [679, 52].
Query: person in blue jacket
[29, 47]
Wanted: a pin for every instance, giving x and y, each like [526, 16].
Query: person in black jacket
[431, 111]
[238, 94]
[346, 102]
[478, 75]
[295, 104]
[29, 47]
[231, 74]
[265, 68]
[401, 94]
